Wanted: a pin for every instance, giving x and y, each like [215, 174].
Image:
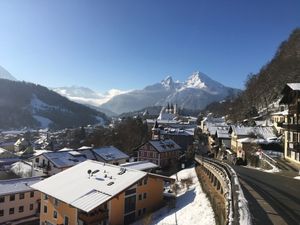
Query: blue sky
[127, 44]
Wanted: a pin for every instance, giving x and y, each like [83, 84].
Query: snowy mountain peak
[4, 74]
[195, 81]
[168, 82]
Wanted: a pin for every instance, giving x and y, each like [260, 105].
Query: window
[45, 197]
[21, 209]
[31, 207]
[140, 212]
[131, 191]
[145, 181]
[45, 209]
[140, 196]
[1, 212]
[55, 214]
[21, 196]
[2, 199]
[144, 210]
[37, 160]
[66, 222]
[145, 195]
[130, 204]
[11, 211]
[11, 197]
[31, 194]
[56, 202]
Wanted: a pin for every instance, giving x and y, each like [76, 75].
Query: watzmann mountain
[195, 93]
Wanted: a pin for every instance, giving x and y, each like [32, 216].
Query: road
[273, 199]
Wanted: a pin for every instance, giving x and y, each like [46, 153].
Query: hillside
[29, 105]
[264, 88]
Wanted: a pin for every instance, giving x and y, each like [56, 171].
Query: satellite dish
[89, 172]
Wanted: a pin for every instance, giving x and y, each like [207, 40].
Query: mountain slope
[28, 105]
[4, 74]
[195, 93]
[264, 88]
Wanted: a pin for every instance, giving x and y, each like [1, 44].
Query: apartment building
[18, 201]
[93, 193]
[291, 125]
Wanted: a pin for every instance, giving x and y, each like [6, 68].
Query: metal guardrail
[236, 206]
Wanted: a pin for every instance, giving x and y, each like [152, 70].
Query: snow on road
[192, 205]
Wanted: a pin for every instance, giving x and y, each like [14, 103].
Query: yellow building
[98, 193]
[18, 201]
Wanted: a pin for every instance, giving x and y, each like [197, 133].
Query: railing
[237, 210]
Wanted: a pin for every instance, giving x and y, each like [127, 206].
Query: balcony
[291, 127]
[93, 218]
[294, 146]
[294, 108]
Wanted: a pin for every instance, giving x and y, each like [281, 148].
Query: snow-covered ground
[297, 177]
[192, 205]
[273, 170]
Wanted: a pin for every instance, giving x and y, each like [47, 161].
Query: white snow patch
[192, 205]
[45, 122]
[22, 169]
[297, 177]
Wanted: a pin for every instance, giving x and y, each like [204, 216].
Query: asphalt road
[272, 198]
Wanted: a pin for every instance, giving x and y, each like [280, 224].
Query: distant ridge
[4, 74]
[29, 105]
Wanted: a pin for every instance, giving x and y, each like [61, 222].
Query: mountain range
[195, 93]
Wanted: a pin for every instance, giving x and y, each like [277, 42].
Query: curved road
[272, 198]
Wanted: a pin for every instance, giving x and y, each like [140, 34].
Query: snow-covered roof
[242, 131]
[66, 149]
[64, 159]
[87, 193]
[85, 147]
[177, 131]
[17, 185]
[110, 153]
[294, 86]
[282, 113]
[39, 152]
[140, 165]
[166, 145]
[5, 154]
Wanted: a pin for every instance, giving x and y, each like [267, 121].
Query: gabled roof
[288, 89]
[64, 159]
[87, 193]
[110, 153]
[140, 165]
[166, 145]
[17, 185]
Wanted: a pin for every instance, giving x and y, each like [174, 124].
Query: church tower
[155, 132]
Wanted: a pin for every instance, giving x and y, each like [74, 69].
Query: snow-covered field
[192, 205]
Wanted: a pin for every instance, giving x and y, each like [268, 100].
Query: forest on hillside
[265, 87]
[17, 111]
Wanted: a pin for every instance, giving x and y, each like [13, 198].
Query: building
[141, 165]
[291, 98]
[240, 132]
[183, 137]
[278, 120]
[110, 154]
[18, 201]
[163, 152]
[99, 193]
[7, 158]
[50, 163]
